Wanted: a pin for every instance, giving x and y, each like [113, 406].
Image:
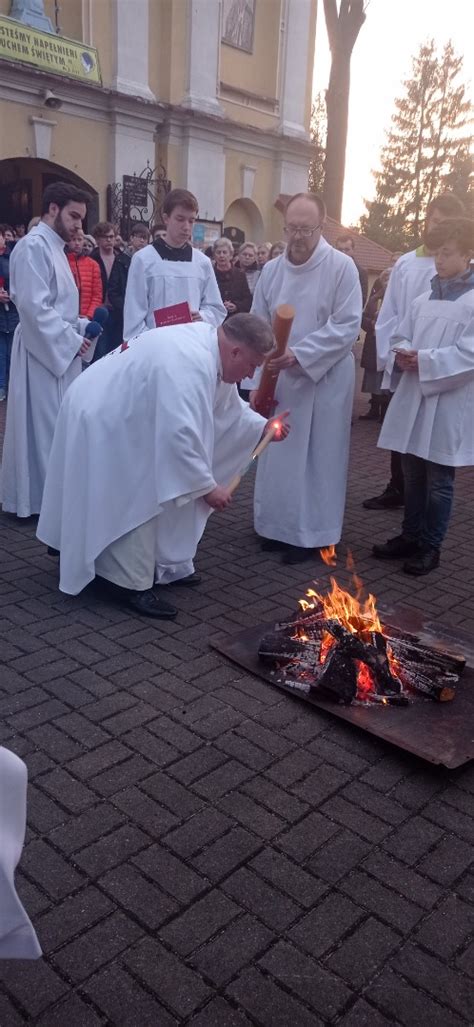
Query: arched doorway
[22, 183]
[244, 214]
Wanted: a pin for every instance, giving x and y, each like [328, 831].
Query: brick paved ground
[203, 850]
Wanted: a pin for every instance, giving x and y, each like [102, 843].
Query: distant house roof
[370, 255]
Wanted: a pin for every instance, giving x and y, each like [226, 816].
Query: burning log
[373, 654]
[338, 679]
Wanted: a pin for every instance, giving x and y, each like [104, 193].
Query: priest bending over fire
[146, 443]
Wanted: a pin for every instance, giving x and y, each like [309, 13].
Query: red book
[178, 314]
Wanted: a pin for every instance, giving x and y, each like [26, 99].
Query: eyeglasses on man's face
[304, 232]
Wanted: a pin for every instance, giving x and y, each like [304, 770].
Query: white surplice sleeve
[136, 303]
[53, 342]
[212, 309]
[319, 351]
[448, 367]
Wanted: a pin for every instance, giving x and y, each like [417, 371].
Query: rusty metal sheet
[441, 733]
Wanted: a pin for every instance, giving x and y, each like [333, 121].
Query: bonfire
[337, 646]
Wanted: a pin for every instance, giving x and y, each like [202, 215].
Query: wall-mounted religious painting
[238, 20]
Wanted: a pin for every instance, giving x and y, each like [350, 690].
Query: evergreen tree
[426, 152]
[318, 131]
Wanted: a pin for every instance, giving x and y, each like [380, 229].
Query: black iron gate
[137, 199]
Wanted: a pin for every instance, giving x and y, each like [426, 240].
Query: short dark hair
[103, 228]
[63, 193]
[345, 237]
[179, 198]
[5, 228]
[448, 204]
[140, 229]
[458, 230]
[256, 333]
[314, 198]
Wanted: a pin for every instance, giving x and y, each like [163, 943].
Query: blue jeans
[429, 491]
[6, 339]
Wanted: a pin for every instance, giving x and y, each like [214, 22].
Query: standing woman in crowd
[232, 282]
[372, 380]
[263, 254]
[247, 262]
[277, 249]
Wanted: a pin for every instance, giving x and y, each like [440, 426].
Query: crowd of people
[125, 461]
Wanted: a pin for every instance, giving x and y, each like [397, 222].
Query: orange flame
[357, 615]
[328, 555]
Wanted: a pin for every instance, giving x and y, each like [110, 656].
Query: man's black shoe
[272, 545]
[423, 563]
[53, 552]
[391, 499]
[371, 415]
[148, 605]
[188, 582]
[396, 548]
[298, 554]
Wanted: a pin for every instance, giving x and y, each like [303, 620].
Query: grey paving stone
[448, 927]
[266, 1002]
[138, 896]
[408, 1006]
[253, 893]
[167, 977]
[363, 952]
[317, 987]
[236, 946]
[201, 921]
[97, 946]
[323, 928]
[123, 1001]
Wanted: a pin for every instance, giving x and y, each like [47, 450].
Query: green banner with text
[49, 52]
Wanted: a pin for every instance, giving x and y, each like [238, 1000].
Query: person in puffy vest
[86, 274]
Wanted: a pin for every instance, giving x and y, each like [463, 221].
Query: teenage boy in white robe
[138, 446]
[430, 420]
[47, 345]
[300, 490]
[410, 277]
[171, 271]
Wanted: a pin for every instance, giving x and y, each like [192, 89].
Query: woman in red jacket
[86, 274]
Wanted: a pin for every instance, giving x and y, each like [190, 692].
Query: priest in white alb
[172, 271]
[145, 446]
[47, 345]
[301, 487]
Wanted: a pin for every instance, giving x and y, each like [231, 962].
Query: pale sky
[381, 59]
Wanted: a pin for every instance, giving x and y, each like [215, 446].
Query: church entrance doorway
[22, 183]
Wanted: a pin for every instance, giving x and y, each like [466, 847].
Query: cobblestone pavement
[203, 850]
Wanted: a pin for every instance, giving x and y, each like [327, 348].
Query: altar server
[410, 277]
[47, 345]
[139, 442]
[171, 271]
[430, 420]
[300, 488]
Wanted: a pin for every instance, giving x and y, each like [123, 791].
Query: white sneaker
[3, 395]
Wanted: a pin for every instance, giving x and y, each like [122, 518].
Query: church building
[132, 97]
